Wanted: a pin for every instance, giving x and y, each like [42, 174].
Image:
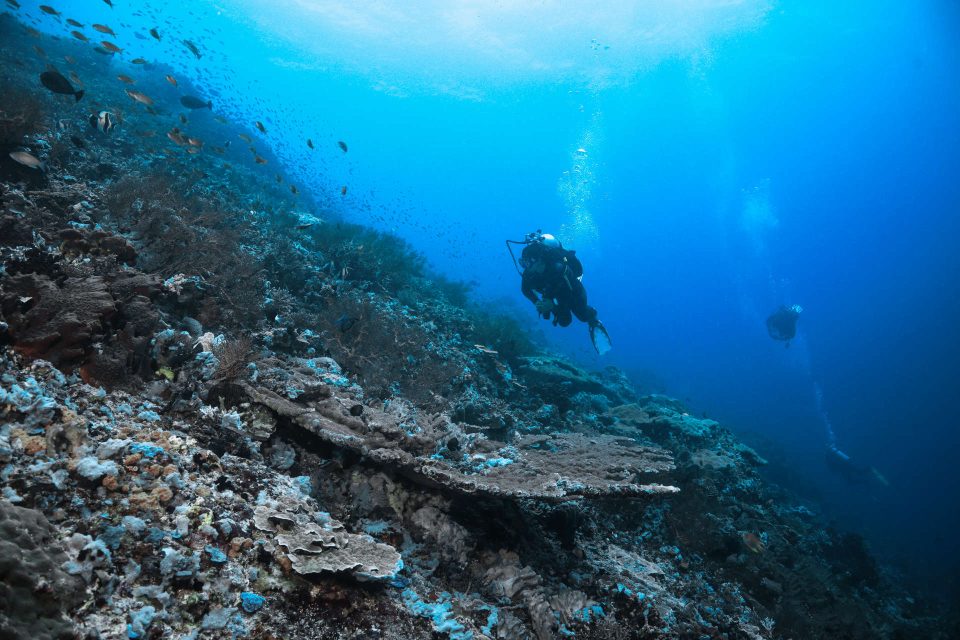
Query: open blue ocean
[708, 160]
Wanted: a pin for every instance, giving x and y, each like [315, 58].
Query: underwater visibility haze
[263, 248]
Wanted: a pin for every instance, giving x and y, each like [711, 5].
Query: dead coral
[556, 467]
[34, 592]
[314, 549]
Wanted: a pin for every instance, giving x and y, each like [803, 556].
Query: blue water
[736, 156]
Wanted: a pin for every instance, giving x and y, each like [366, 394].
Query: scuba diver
[853, 472]
[782, 323]
[555, 273]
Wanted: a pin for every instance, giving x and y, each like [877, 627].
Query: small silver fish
[28, 160]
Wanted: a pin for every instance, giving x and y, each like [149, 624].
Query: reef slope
[217, 420]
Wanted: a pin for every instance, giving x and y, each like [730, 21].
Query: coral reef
[218, 421]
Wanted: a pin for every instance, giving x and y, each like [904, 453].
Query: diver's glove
[544, 307]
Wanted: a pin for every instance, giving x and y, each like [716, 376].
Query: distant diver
[555, 273]
[782, 323]
[852, 471]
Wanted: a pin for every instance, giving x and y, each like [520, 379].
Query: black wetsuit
[782, 324]
[555, 273]
[851, 471]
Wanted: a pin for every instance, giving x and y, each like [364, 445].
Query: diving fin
[600, 338]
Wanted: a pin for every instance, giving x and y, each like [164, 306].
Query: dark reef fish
[342, 145]
[192, 102]
[172, 80]
[74, 23]
[310, 143]
[193, 48]
[49, 10]
[79, 36]
[260, 126]
[103, 122]
[155, 33]
[13, 4]
[102, 28]
[54, 81]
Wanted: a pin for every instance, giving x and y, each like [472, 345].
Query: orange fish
[127, 79]
[753, 542]
[102, 28]
[259, 160]
[175, 135]
[343, 190]
[79, 36]
[109, 46]
[140, 97]
[74, 23]
[172, 80]
[138, 61]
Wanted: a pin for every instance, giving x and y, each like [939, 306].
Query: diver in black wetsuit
[852, 471]
[555, 273]
[782, 323]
